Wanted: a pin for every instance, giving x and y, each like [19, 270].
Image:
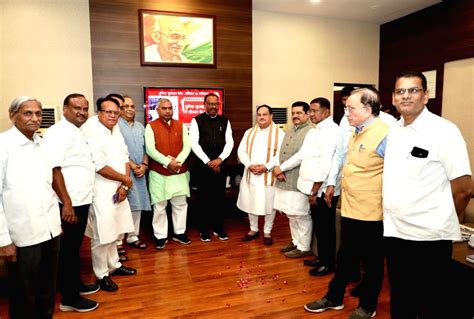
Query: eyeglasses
[350, 109]
[311, 111]
[212, 104]
[174, 36]
[410, 91]
[110, 112]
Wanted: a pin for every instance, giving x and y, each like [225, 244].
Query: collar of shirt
[212, 117]
[21, 139]
[124, 121]
[359, 129]
[299, 127]
[420, 123]
[69, 125]
[325, 123]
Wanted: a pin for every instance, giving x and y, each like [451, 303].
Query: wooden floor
[220, 279]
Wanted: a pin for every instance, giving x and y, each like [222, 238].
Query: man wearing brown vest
[168, 146]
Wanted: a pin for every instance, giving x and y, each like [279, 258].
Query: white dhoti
[296, 207]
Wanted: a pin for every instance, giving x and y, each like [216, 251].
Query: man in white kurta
[110, 213]
[258, 152]
[288, 198]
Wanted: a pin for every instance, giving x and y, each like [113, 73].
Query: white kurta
[291, 203]
[256, 195]
[107, 220]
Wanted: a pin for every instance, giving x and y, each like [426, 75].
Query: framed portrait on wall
[177, 39]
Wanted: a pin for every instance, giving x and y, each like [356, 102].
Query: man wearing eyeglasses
[426, 185]
[110, 211]
[361, 210]
[212, 143]
[170, 36]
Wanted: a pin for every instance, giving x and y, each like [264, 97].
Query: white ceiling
[371, 11]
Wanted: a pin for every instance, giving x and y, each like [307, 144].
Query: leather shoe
[267, 241]
[312, 262]
[124, 271]
[248, 237]
[107, 284]
[321, 271]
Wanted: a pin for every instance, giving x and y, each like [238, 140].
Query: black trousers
[210, 198]
[69, 255]
[324, 225]
[419, 276]
[32, 280]
[362, 240]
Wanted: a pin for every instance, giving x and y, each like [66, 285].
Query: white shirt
[29, 211]
[332, 130]
[197, 149]
[68, 149]
[417, 197]
[318, 150]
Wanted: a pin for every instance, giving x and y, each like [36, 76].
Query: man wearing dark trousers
[29, 214]
[212, 143]
[73, 180]
[426, 185]
[324, 212]
[361, 210]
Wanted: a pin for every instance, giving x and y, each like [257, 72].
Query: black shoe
[312, 262]
[321, 271]
[248, 237]
[267, 241]
[81, 304]
[356, 291]
[161, 243]
[107, 284]
[182, 238]
[85, 289]
[221, 234]
[124, 271]
[205, 237]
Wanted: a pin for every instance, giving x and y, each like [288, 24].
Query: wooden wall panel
[424, 41]
[116, 53]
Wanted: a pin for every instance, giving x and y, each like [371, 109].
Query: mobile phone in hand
[115, 198]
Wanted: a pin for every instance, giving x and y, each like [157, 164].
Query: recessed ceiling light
[315, 1]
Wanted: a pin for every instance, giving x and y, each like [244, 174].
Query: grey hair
[369, 96]
[163, 100]
[18, 102]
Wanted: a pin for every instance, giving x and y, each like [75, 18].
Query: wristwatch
[124, 187]
[312, 194]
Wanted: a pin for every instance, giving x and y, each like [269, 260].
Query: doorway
[338, 107]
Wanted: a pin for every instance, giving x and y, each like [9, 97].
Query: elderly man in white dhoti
[259, 151]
